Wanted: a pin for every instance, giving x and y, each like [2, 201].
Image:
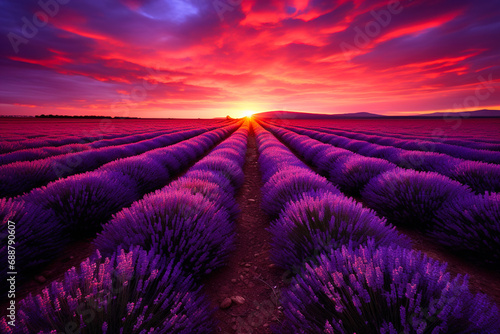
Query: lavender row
[148, 288]
[424, 146]
[480, 176]
[131, 291]
[388, 289]
[354, 272]
[471, 143]
[20, 177]
[105, 131]
[49, 151]
[190, 220]
[311, 216]
[50, 217]
[442, 208]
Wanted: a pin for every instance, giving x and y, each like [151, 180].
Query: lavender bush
[211, 176]
[327, 161]
[287, 185]
[315, 224]
[272, 161]
[385, 290]
[353, 172]
[409, 198]
[82, 203]
[427, 161]
[470, 226]
[481, 177]
[188, 228]
[167, 160]
[37, 238]
[226, 167]
[230, 153]
[146, 172]
[210, 190]
[129, 292]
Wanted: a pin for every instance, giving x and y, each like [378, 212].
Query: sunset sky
[194, 58]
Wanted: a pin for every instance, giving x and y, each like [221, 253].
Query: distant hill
[304, 115]
[471, 114]
[485, 113]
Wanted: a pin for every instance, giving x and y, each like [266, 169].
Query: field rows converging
[478, 175]
[62, 208]
[40, 172]
[457, 151]
[444, 209]
[161, 209]
[469, 142]
[347, 261]
[66, 135]
[49, 151]
[154, 252]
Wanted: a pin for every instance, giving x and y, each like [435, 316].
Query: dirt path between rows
[249, 278]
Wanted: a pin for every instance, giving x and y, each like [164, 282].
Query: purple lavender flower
[470, 226]
[384, 290]
[211, 176]
[427, 161]
[82, 203]
[287, 185]
[129, 292]
[315, 224]
[147, 173]
[38, 238]
[328, 160]
[353, 172]
[410, 198]
[210, 190]
[226, 167]
[481, 177]
[188, 228]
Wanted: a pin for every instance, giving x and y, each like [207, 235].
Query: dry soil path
[246, 290]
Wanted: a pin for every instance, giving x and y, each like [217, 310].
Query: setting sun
[248, 113]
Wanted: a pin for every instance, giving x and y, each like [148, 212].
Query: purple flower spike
[480, 176]
[316, 224]
[286, 186]
[148, 173]
[82, 203]
[470, 226]
[210, 190]
[38, 237]
[213, 177]
[226, 167]
[129, 292]
[410, 198]
[355, 171]
[188, 228]
[384, 290]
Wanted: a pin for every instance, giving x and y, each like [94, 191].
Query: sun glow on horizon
[248, 113]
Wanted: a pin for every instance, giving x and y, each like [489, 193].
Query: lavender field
[158, 204]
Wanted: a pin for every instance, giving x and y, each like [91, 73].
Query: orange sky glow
[203, 59]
